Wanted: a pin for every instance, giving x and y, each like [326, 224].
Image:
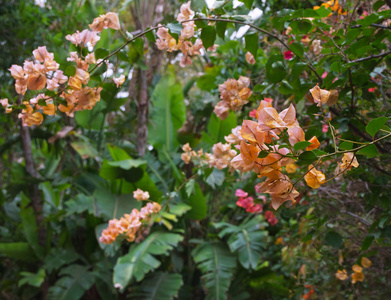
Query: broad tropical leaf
[247, 240]
[217, 264]
[158, 286]
[75, 280]
[140, 260]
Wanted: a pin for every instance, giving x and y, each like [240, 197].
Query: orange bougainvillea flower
[320, 96]
[357, 275]
[314, 144]
[314, 178]
[109, 20]
[348, 161]
[341, 275]
[250, 58]
[365, 262]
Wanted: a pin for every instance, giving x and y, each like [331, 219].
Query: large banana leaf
[158, 286]
[75, 281]
[217, 265]
[168, 112]
[247, 240]
[140, 260]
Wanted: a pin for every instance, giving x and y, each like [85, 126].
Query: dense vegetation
[124, 174]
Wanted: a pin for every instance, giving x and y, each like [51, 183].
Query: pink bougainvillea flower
[253, 114]
[288, 54]
[270, 100]
[372, 90]
[240, 193]
[325, 128]
[324, 75]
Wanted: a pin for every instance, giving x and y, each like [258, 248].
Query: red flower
[288, 54]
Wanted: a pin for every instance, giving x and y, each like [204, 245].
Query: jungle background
[62, 181]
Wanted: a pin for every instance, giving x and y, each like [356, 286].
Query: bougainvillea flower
[240, 193]
[250, 58]
[140, 195]
[41, 54]
[288, 54]
[325, 128]
[119, 81]
[186, 12]
[251, 132]
[320, 96]
[17, 72]
[348, 161]
[270, 217]
[290, 168]
[372, 90]
[341, 275]
[296, 134]
[36, 81]
[314, 144]
[365, 262]
[109, 20]
[314, 178]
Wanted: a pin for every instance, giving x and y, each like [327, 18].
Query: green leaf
[140, 260]
[20, 251]
[218, 129]
[308, 156]
[301, 145]
[168, 112]
[32, 279]
[323, 12]
[206, 82]
[197, 202]
[345, 146]
[297, 48]
[75, 281]
[70, 71]
[252, 43]
[216, 178]
[158, 286]
[276, 69]
[29, 225]
[101, 53]
[220, 29]
[208, 36]
[247, 3]
[59, 257]
[127, 164]
[84, 149]
[375, 125]
[190, 187]
[263, 154]
[370, 151]
[175, 29]
[301, 26]
[248, 240]
[179, 209]
[367, 243]
[200, 23]
[334, 239]
[150, 36]
[217, 265]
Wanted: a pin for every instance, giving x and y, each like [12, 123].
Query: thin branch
[381, 55]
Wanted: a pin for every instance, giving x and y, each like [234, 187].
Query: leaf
[179, 209]
[218, 129]
[248, 241]
[334, 239]
[59, 257]
[308, 156]
[20, 251]
[75, 281]
[247, 3]
[275, 69]
[345, 146]
[29, 226]
[140, 260]
[158, 286]
[197, 202]
[370, 151]
[206, 82]
[190, 187]
[252, 43]
[84, 149]
[208, 36]
[375, 125]
[297, 48]
[216, 178]
[150, 36]
[168, 113]
[175, 29]
[32, 279]
[220, 29]
[301, 26]
[367, 243]
[127, 164]
[217, 265]
[101, 53]
[301, 145]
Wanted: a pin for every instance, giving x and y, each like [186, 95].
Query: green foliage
[140, 260]
[217, 265]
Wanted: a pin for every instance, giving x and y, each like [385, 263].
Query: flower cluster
[44, 72]
[357, 274]
[129, 224]
[247, 202]
[167, 42]
[234, 94]
[270, 217]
